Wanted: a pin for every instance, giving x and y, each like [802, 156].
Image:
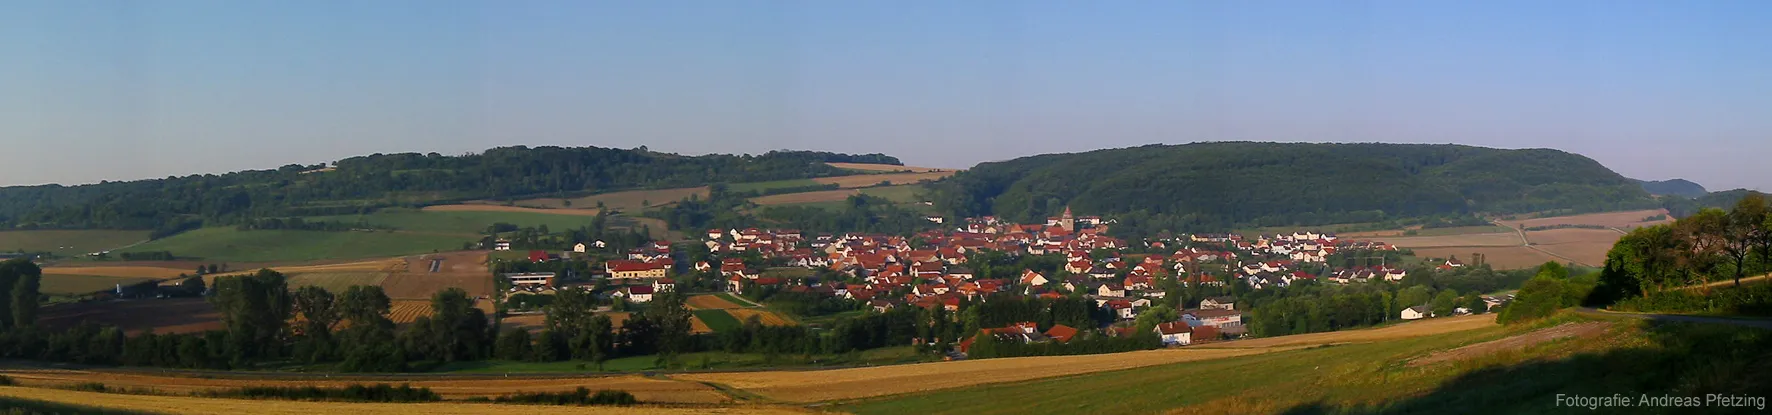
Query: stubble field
[1620, 220]
[866, 180]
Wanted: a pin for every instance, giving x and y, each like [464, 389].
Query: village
[929, 270]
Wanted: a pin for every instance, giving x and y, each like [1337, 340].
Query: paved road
[1764, 324]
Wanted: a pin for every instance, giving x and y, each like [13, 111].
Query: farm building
[636, 269]
[1416, 313]
[531, 278]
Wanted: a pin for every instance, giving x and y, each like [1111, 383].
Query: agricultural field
[717, 320]
[120, 271]
[805, 197]
[762, 186]
[213, 406]
[768, 318]
[1620, 220]
[481, 207]
[335, 282]
[1457, 230]
[878, 168]
[465, 270]
[630, 200]
[1498, 257]
[228, 244]
[1587, 246]
[71, 284]
[68, 243]
[171, 315]
[452, 219]
[710, 302]
[1467, 240]
[864, 382]
[897, 194]
[870, 180]
[646, 389]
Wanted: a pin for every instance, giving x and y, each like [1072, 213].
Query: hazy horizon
[118, 90]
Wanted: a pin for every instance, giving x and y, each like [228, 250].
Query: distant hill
[360, 184]
[1218, 186]
[1674, 187]
[1682, 207]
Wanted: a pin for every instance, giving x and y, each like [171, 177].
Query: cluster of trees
[1240, 185]
[20, 283]
[1086, 342]
[1311, 308]
[1552, 289]
[148, 256]
[1710, 245]
[362, 184]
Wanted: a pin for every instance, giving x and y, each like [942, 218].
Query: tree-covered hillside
[1217, 186]
[358, 184]
[1674, 187]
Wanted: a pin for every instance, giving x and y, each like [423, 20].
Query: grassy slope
[229, 244]
[461, 222]
[77, 242]
[1374, 378]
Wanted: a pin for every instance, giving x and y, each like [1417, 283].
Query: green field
[897, 194]
[231, 244]
[718, 320]
[68, 243]
[1680, 360]
[464, 222]
[336, 282]
[83, 284]
[778, 184]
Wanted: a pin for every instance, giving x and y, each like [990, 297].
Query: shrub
[581, 396]
[380, 392]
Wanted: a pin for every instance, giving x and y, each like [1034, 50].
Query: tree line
[1651, 267]
[362, 184]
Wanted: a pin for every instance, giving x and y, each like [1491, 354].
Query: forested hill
[367, 182]
[1217, 186]
[1674, 187]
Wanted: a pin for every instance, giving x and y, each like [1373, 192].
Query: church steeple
[1067, 221]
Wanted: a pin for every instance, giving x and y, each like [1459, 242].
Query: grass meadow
[232, 245]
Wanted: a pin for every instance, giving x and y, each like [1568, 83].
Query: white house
[1176, 333]
[501, 245]
[1219, 303]
[636, 293]
[578, 247]
[1416, 313]
[531, 278]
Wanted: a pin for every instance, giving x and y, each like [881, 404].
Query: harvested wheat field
[475, 207]
[865, 180]
[211, 406]
[1479, 239]
[465, 270]
[121, 271]
[838, 384]
[884, 167]
[387, 265]
[1498, 257]
[1587, 246]
[768, 318]
[707, 302]
[806, 197]
[1620, 220]
[335, 282]
[645, 389]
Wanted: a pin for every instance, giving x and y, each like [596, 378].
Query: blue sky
[109, 90]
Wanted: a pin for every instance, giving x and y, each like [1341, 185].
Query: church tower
[1067, 221]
